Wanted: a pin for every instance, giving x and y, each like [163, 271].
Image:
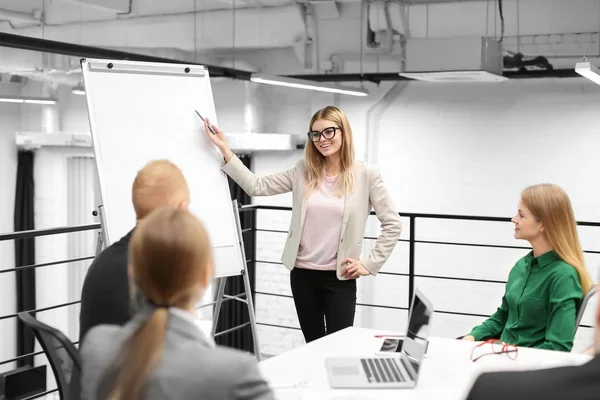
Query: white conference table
[447, 371]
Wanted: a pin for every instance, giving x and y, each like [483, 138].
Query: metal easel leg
[220, 294]
[246, 278]
[251, 316]
[100, 241]
[99, 244]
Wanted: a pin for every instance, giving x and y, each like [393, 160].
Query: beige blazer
[368, 192]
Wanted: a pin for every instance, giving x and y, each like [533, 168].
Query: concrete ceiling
[297, 36]
[143, 6]
[24, 12]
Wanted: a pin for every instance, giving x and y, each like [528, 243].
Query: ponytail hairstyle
[551, 206]
[170, 259]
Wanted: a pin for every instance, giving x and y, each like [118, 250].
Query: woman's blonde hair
[171, 261]
[551, 206]
[315, 161]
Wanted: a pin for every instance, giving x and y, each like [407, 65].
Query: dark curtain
[24, 253]
[234, 313]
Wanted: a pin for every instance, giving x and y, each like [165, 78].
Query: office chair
[61, 352]
[583, 306]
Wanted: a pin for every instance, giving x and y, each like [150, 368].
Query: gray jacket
[190, 367]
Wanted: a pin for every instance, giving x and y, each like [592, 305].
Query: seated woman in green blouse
[545, 288]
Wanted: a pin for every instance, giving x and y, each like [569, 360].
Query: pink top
[322, 228]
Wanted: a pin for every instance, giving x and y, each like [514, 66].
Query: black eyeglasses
[327, 133]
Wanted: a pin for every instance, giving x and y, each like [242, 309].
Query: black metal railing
[33, 234]
[412, 241]
[411, 275]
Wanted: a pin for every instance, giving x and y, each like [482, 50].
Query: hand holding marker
[209, 126]
[218, 138]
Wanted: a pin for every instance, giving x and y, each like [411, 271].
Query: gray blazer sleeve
[95, 355]
[250, 385]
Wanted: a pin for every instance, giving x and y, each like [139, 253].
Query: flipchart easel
[245, 297]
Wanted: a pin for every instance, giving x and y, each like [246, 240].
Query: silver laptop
[398, 370]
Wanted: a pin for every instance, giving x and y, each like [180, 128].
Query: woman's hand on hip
[218, 139]
[353, 269]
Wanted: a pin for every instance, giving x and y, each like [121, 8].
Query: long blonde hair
[551, 205]
[171, 260]
[315, 161]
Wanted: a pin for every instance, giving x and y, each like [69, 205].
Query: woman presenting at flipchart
[332, 198]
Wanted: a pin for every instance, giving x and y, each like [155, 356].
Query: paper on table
[287, 395]
[327, 395]
[289, 385]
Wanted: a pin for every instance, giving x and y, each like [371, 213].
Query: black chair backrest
[61, 352]
[583, 306]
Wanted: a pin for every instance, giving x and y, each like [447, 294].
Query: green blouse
[539, 307]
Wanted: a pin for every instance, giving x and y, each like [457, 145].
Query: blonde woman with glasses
[332, 198]
[545, 288]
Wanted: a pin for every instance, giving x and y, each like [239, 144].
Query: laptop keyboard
[381, 370]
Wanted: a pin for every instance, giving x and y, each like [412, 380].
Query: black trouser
[324, 303]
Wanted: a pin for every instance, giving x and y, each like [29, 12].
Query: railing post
[411, 260]
[252, 252]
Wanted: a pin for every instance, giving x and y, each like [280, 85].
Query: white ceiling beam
[117, 6]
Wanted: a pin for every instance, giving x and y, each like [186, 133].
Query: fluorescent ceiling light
[78, 90]
[39, 101]
[454, 76]
[588, 70]
[306, 84]
[28, 100]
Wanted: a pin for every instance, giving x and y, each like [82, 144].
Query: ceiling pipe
[338, 59]
[374, 117]
[118, 10]
[15, 61]
[311, 35]
[80, 51]
[51, 77]
[76, 50]
[129, 10]
[19, 16]
[375, 77]
[281, 27]
[391, 76]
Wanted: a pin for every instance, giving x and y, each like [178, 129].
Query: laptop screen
[415, 342]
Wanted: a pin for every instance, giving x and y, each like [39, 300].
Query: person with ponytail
[161, 353]
[332, 198]
[545, 288]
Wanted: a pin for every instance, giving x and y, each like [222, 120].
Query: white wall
[455, 149]
[50, 204]
[9, 123]
[470, 150]
[458, 149]
[73, 111]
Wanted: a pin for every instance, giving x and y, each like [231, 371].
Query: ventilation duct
[279, 27]
[454, 59]
[239, 142]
